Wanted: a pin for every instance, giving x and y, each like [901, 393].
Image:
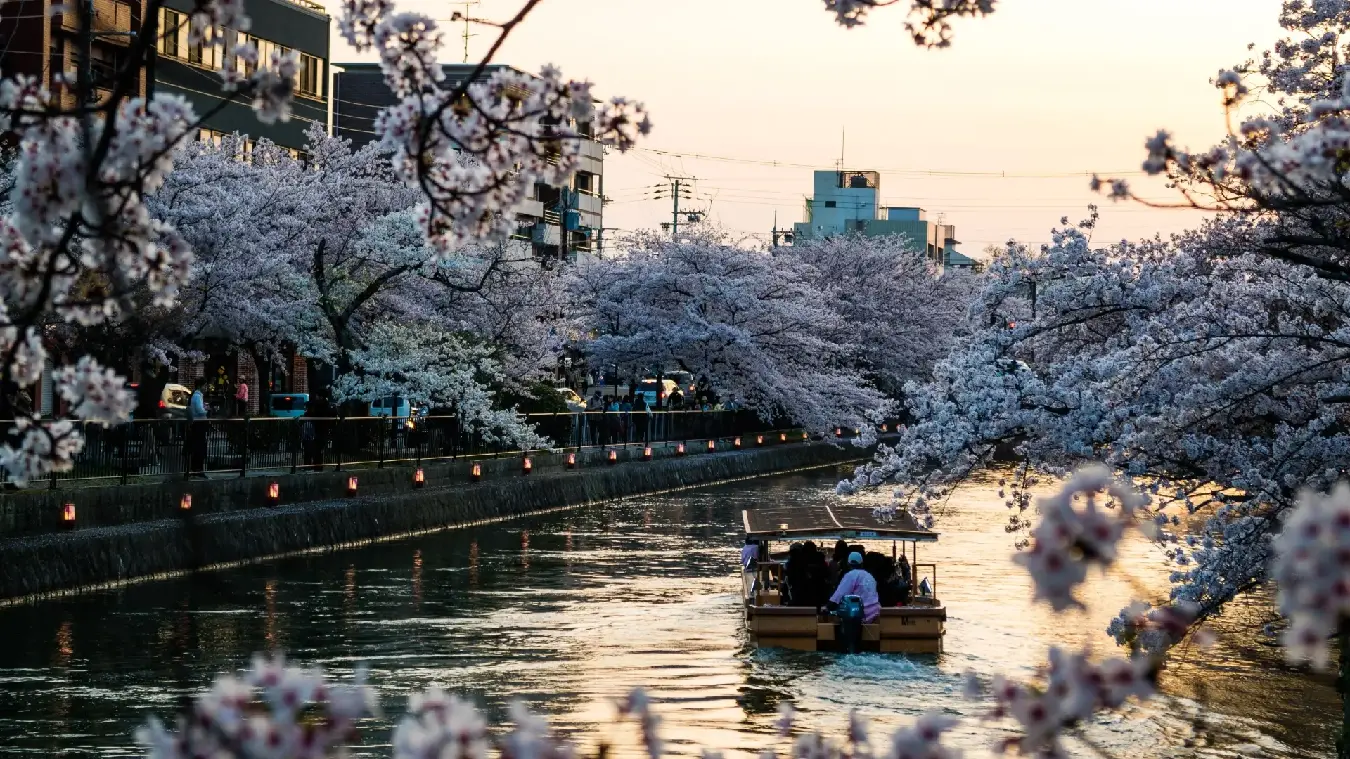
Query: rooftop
[826, 522]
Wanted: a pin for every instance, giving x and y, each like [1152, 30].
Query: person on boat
[792, 575]
[750, 552]
[858, 582]
[906, 580]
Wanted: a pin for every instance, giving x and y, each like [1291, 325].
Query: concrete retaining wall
[234, 526]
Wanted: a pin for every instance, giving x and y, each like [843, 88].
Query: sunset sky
[1043, 91]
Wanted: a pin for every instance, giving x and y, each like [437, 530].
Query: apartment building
[557, 222]
[36, 42]
[285, 25]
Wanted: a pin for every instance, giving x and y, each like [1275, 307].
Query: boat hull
[906, 629]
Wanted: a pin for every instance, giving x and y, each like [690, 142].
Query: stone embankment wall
[138, 531]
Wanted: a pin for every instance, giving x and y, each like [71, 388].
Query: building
[557, 222]
[849, 202]
[42, 44]
[285, 25]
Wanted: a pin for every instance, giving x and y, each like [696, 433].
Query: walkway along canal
[570, 609]
[148, 530]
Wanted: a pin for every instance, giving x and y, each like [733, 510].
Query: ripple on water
[569, 611]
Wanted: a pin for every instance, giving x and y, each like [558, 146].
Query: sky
[997, 135]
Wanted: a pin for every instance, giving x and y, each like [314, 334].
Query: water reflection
[569, 611]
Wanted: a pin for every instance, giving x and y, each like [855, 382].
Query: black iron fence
[166, 447]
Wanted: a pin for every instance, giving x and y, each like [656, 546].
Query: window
[585, 182]
[207, 53]
[172, 33]
[829, 204]
[311, 76]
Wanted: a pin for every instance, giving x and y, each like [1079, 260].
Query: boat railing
[933, 567]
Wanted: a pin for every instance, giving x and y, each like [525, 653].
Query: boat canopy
[826, 522]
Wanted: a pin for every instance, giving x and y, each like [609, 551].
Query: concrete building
[557, 222]
[849, 202]
[190, 70]
[39, 43]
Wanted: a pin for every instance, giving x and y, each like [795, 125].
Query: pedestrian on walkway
[197, 430]
[241, 400]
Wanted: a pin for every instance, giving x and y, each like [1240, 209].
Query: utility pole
[679, 188]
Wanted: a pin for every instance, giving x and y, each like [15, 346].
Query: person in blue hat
[859, 582]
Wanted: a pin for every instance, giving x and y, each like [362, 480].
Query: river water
[570, 610]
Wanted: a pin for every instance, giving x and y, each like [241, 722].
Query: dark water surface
[571, 610]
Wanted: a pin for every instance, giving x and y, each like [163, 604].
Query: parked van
[391, 406]
[288, 405]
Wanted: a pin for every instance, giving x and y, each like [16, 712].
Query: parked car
[287, 405]
[574, 401]
[685, 380]
[173, 401]
[652, 390]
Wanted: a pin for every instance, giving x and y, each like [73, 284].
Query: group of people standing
[811, 578]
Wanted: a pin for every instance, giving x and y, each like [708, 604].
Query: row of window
[173, 43]
[216, 136]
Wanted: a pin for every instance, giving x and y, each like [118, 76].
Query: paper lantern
[351, 486]
[736, 443]
[712, 446]
[679, 449]
[68, 515]
[476, 473]
[274, 493]
[647, 453]
[571, 461]
[526, 465]
[419, 478]
[185, 503]
[613, 456]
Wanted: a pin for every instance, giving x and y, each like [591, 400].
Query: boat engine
[850, 615]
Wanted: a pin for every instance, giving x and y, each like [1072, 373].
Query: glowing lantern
[613, 456]
[351, 486]
[885, 428]
[68, 516]
[419, 478]
[274, 493]
[571, 461]
[736, 443]
[647, 453]
[712, 445]
[838, 432]
[526, 465]
[805, 436]
[476, 473]
[185, 503]
[782, 437]
[679, 449]
[759, 440]
[856, 431]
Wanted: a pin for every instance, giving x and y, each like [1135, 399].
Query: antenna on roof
[842, 134]
[467, 4]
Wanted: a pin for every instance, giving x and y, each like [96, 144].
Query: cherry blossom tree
[749, 321]
[902, 316]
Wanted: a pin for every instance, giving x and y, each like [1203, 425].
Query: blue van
[287, 405]
[391, 406]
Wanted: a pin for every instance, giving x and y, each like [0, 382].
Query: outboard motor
[850, 615]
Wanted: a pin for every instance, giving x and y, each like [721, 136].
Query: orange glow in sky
[1055, 89]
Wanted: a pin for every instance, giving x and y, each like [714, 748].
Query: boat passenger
[858, 582]
[749, 553]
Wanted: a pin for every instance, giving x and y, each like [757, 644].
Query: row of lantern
[419, 478]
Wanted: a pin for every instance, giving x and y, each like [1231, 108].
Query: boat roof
[830, 522]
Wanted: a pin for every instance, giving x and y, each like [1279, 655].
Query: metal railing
[169, 447]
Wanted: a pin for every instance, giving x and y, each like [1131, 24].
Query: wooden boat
[914, 627]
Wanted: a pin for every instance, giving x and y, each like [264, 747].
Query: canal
[570, 610]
